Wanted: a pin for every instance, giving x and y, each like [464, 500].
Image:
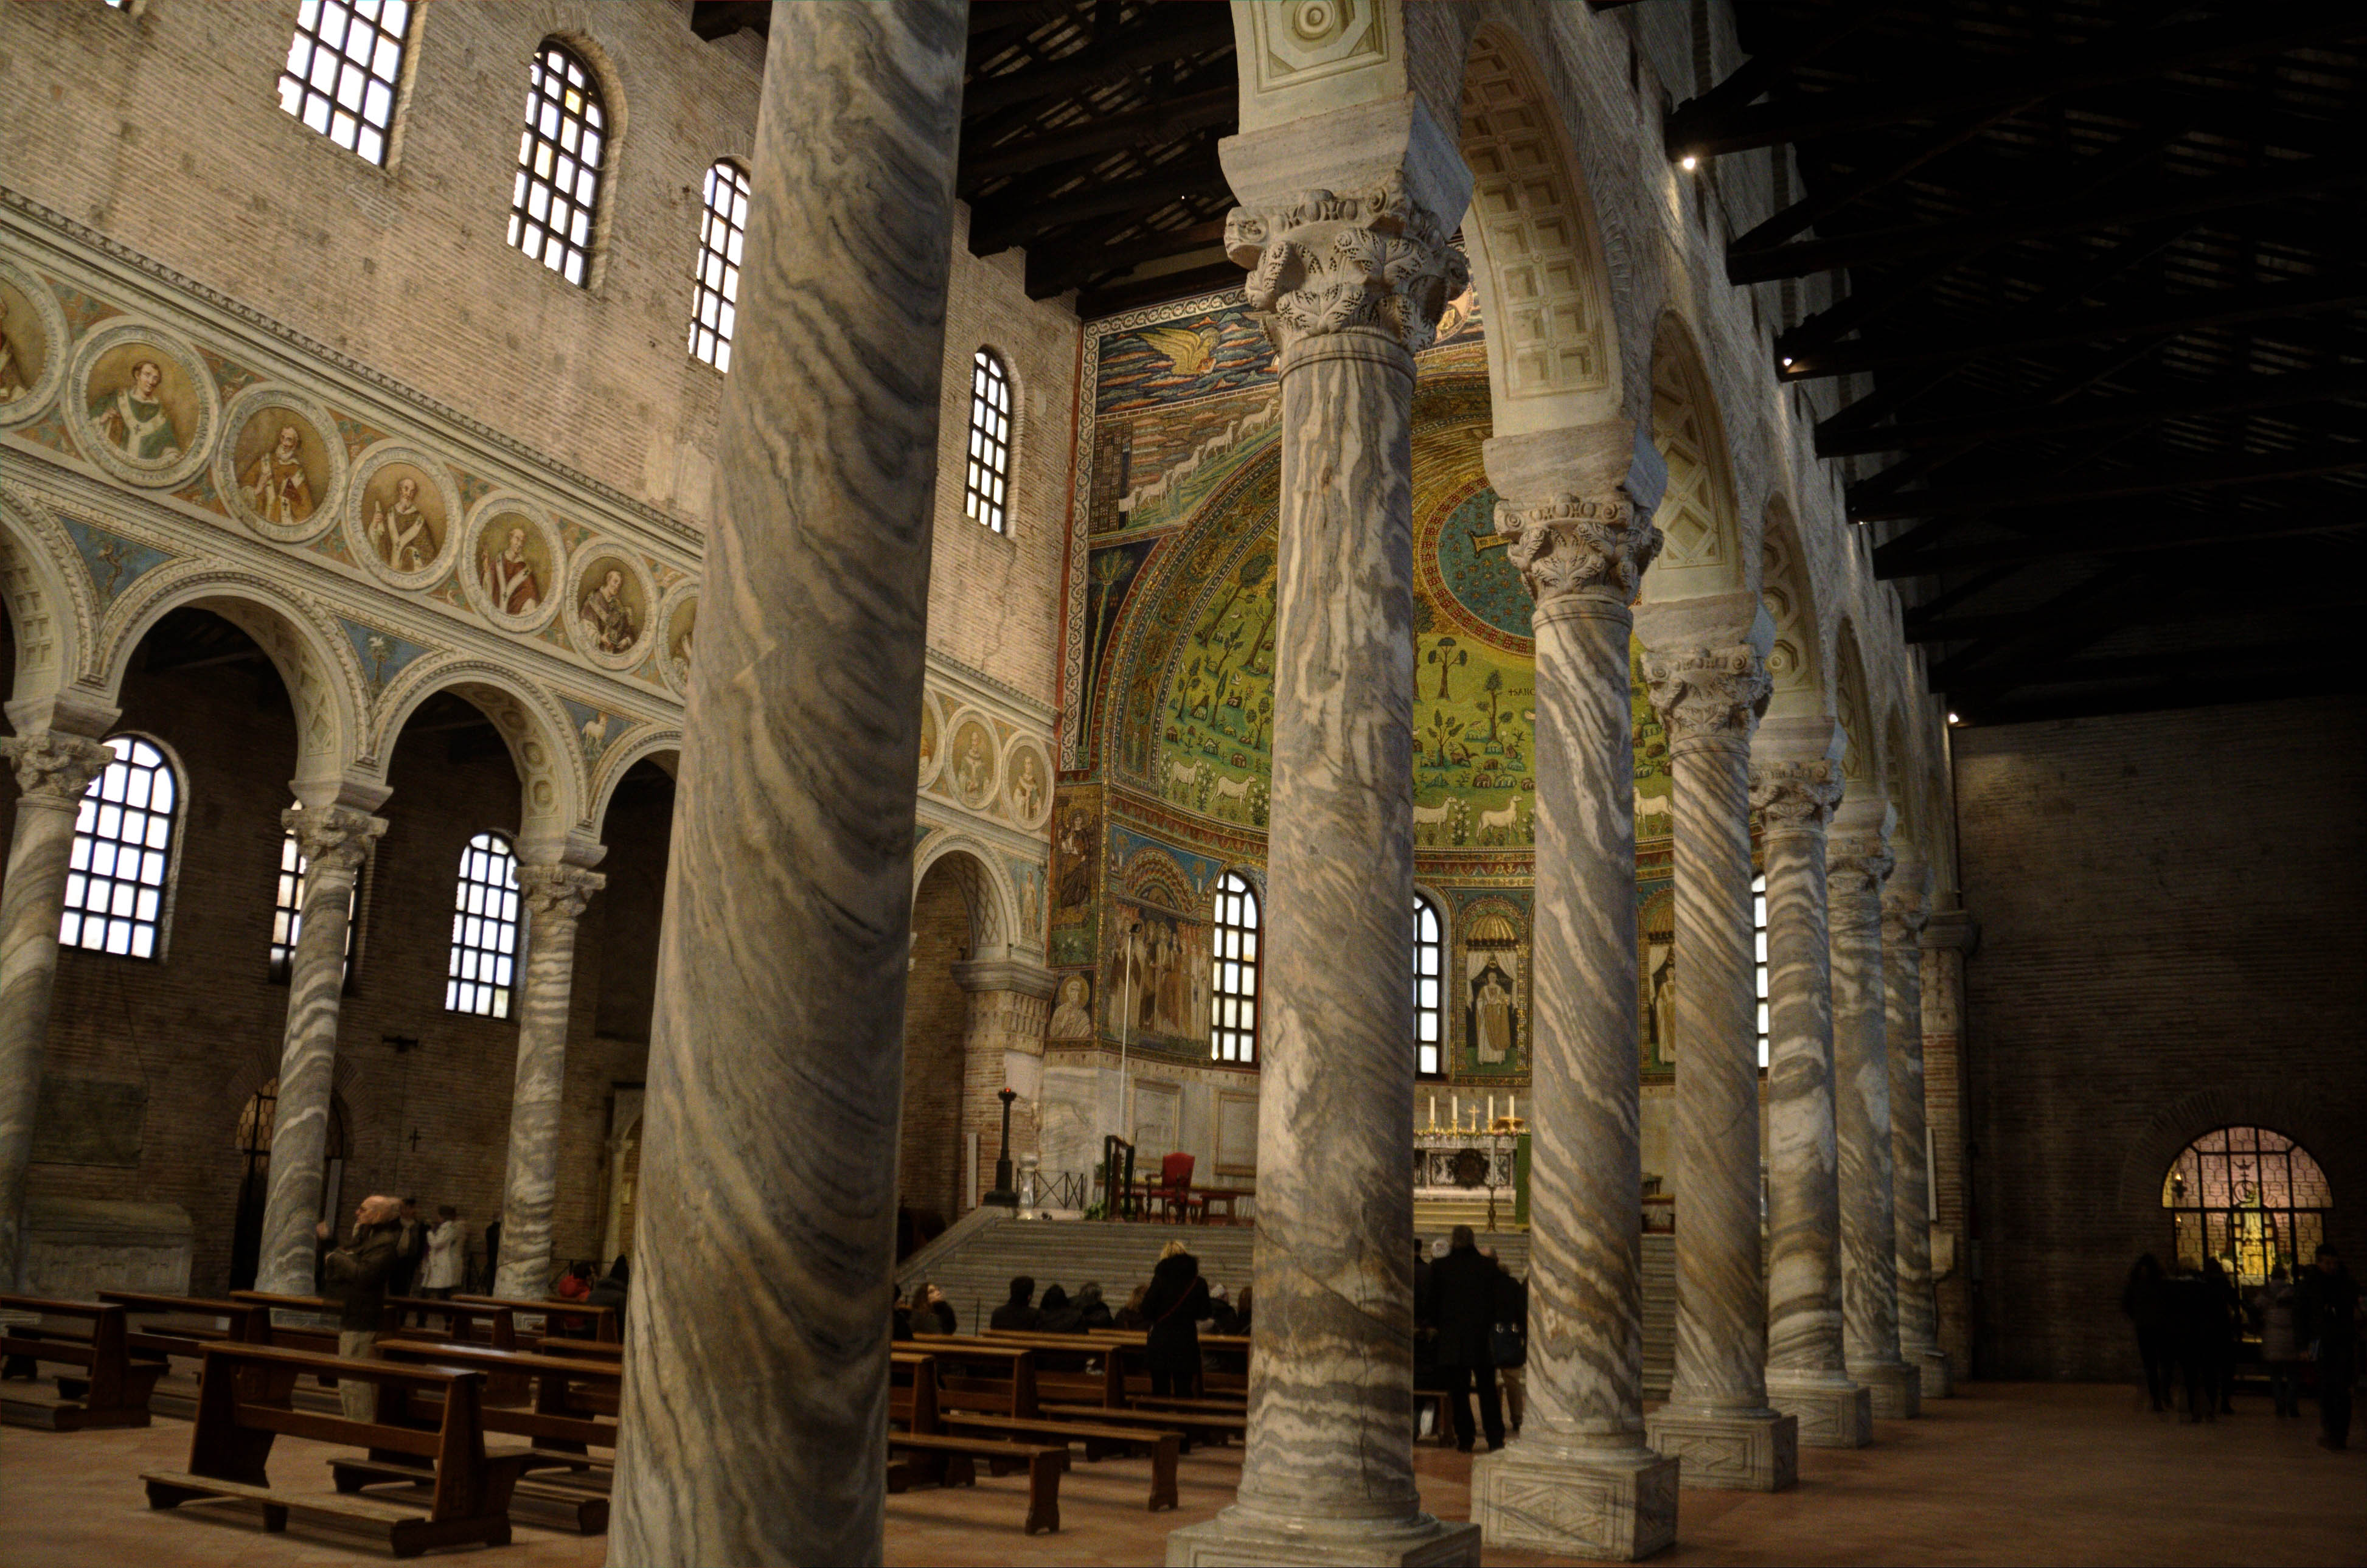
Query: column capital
[1951, 931]
[1857, 854]
[1705, 667]
[1006, 975]
[558, 891]
[1902, 917]
[1571, 544]
[1795, 796]
[334, 840]
[55, 769]
[1322, 263]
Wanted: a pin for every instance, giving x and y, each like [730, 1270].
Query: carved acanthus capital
[1326, 263]
[55, 769]
[1856, 867]
[1707, 697]
[333, 841]
[1902, 918]
[1577, 544]
[1795, 796]
[556, 892]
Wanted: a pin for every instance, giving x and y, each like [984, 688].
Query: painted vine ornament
[1574, 544]
[1795, 794]
[1708, 695]
[53, 767]
[1328, 264]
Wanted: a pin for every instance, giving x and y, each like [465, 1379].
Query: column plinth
[52, 771]
[1580, 1479]
[333, 841]
[1903, 901]
[1706, 673]
[555, 897]
[1348, 286]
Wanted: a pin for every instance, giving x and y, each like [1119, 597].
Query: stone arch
[1701, 550]
[2299, 1112]
[985, 889]
[664, 748]
[317, 665]
[1797, 664]
[1536, 250]
[1862, 763]
[552, 785]
[49, 610]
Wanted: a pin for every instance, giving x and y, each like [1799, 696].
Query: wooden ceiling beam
[1082, 259]
[998, 225]
[2141, 537]
[1175, 32]
[2228, 394]
[1152, 124]
[2150, 479]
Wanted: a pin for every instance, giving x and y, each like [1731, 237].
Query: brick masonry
[2173, 912]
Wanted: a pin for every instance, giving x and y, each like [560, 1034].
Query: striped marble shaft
[1804, 1279]
[1331, 1379]
[756, 1374]
[1580, 559]
[555, 897]
[53, 770]
[1911, 1186]
[333, 841]
[1856, 864]
[1708, 699]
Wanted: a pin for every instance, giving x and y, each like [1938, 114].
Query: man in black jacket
[355, 1274]
[1462, 1304]
[1019, 1312]
[2330, 1307]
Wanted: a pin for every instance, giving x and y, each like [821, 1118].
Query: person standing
[1176, 1301]
[357, 1276]
[448, 1245]
[1464, 1297]
[2278, 1303]
[2330, 1304]
[2222, 1319]
[2147, 1304]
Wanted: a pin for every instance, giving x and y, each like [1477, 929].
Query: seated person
[1019, 1312]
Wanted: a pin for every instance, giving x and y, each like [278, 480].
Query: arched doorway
[2248, 1197]
[929, 1163]
[253, 1145]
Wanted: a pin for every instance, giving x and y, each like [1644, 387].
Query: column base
[1832, 1415]
[1758, 1452]
[1897, 1390]
[1938, 1374]
[1236, 1536]
[1618, 1508]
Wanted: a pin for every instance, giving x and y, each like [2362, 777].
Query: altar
[1476, 1174]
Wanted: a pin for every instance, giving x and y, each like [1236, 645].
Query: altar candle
[1455, 1109]
[1433, 1110]
[1515, 1111]
[1491, 1112]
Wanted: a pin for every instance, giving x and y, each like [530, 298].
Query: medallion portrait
[145, 406]
[402, 518]
[971, 762]
[25, 346]
[283, 473]
[514, 565]
[1027, 784]
[681, 635]
[612, 609]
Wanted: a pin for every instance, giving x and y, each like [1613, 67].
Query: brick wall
[936, 1012]
[201, 1027]
[2173, 912]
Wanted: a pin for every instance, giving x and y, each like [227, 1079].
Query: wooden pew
[243, 1406]
[607, 1324]
[244, 1321]
[1201, 1426]
[948, 1461]
[562, 1430]
[980, 1376]
[1069, 1366]
[461, 1318]
[111, 1389]
[912, 1391]
[1098, 1439]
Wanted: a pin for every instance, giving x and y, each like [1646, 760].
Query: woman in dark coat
[1176, 1301]
[1091, 1310]
[1060, 1314]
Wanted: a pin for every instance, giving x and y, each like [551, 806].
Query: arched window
[1232, 1034]
[715, 299]
[556, 196]
[1429, 966]
[122, 853]
[986, 489]
[287, 911]
[485, 930]
[2250, 1197]
[345, 66]
[1758, 938]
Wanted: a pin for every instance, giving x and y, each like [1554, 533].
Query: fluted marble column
[756, 1367]
[1580, 1479]
[1903, 900]
[53, 770]
[1858, 861]
[555, 897]
[1348, 286]
[1706, 669]
[333, 841]
[1795, 781]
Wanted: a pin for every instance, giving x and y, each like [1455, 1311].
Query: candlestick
[1454, 1111]
[1491, 1112]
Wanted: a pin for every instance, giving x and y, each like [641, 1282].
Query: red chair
[1174, 1188]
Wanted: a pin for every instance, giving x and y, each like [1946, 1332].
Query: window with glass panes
[987, 485]
[122, 853]
[345, 66]
[716, 302]
[1759, 940]
[1429, 971]
[1232, 1032]
[287, 911]
[556, 196]
[485, 930]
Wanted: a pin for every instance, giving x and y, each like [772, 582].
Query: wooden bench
[982, 1376]
[243, 1406]
[912, 1391]
[559, 1427]
[111, 1389]
[242, 1323]
[1066, 1365]
[462, 1319]
[1206, 1426]
[948, 1461]
[607, 1324]
[1098, 1439]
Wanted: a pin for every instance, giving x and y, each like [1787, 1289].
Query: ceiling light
[1689, 163]
[1787, 362]
[1953, 719]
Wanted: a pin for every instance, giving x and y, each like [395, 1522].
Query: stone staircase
[974, 1261]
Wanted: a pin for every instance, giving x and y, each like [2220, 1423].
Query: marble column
[1949, 938]
[334, 840]
[555, 897]
[1795, 781]
[1580, 1480]
[1903, 900]
[1857, 862]
[52, 769]
[1706, 669]
[1348, 286]
[1003, 1046]
[756, 1371]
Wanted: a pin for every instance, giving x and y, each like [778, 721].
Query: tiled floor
[2006, 1474]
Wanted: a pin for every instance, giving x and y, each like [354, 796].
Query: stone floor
[2005, 1474]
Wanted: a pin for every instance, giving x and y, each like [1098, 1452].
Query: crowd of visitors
[2191, 1326]
[1470, 1332]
